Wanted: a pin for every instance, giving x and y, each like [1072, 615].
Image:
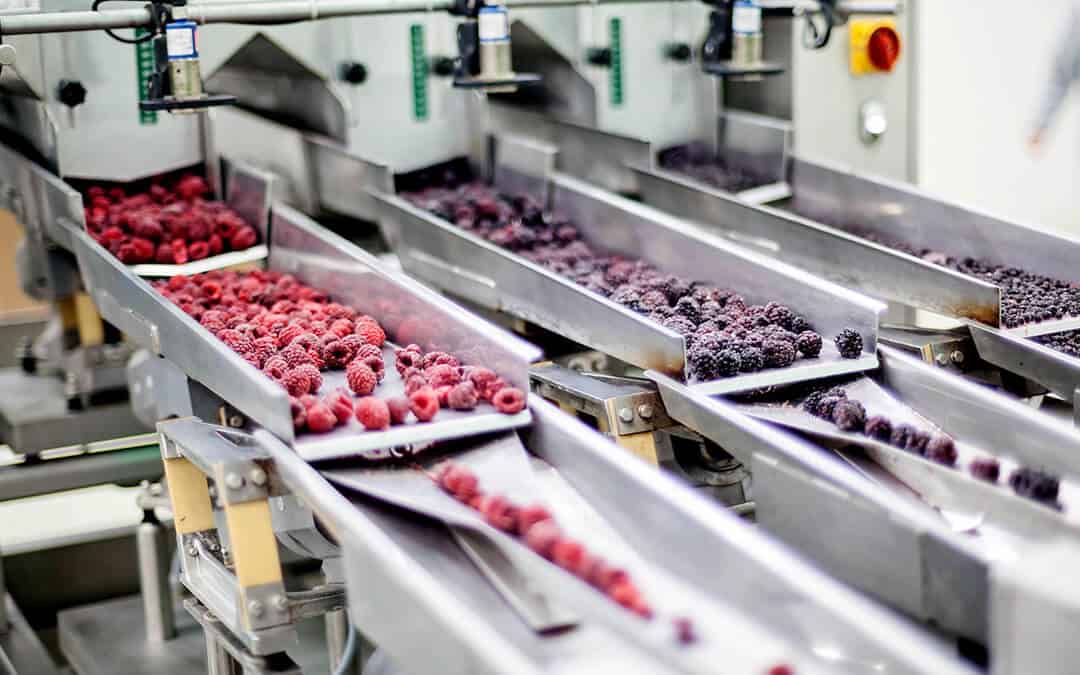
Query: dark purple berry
[627, 297]
[728, 363]
[703, 363]
[812, 400]
[849, 416]
[826, 406]
[987, 469]
[917, 442]
[688, 307]
[878, 428]
[849, 343]
[901, 435]
[941, 449]
[809, 344]
[778, 353]
[1034, 484]
[680, 325]
[752, 360]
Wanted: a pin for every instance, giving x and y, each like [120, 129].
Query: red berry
[164, 254]
[180, 252]
[313, 375]
[370, 330]
[299, 413]
[372, 413]
[336, 354]
[320, 418]
[782, 669]
[542, 537]
[340, 403]
[499, 512]
[606, 577]
[216, 244]
[625, 593]
[399, 409]
[424, 403]
[443, 394]
[308, 400]
[509, 400]
[376, 364]
[296, 355]
[276, 367]
[361, 378]
[531, 515]
[462, 483]
[414, 383]
[243, 238]
[442, 375]
[463, 396]
[684, 631]
[199, 250]
[296, 383]
[568, 554]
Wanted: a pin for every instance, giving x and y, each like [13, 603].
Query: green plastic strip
[144, 66]
[419, 72]
[615, 44]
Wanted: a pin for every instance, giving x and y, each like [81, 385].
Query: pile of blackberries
[698, 161]
[1067, 343]
[850, 415]
[724, 335]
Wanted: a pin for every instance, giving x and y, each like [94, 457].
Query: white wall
[982, 66]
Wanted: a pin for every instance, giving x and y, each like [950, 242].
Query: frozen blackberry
[941, 449]
[688, 307]
[901, 435]
[704, 363]
[987, 469]
[849, 416]
[671, 286]
[917, 442]
[627, 297]
[812, 401]
[798, 325]
[1035, 484]
[838, 392]
[778, 314]
[728, 363]
[826, 406]
[650, 300]
[680, 325]
[778, 353]
[751, 359]
[849, 343]
[878, 428]
[809, 344]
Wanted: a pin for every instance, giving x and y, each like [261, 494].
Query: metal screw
[942, 359]
[257, 476]
[957, 356]
[236, 421]
[645, 411]
[191, 550]
[626, 415]
[255, 608]
[234, 481]
[280, 602]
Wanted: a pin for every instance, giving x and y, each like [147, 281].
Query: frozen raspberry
[164, 254]
[366, 351]
[295, 355]
[361, 378]
[414, 383]
[405, 359]
[243, 238]
[309, 400]
[443, 394]
[236, 341]
[216, 244]
[373, 413]
[568, 554]
[144, 249]
[308, 341]
[499, 512]
[320, 418]
[336, 354]
[370, 330]
[986, 468]
[878, 428]
[296, 383]
[199, 250]
[684, 631]
[288, 334]
[353, 342]
[809, 344]
[424, 404]
[442, 375]
[542, 537]
[399, 409]
[482, 378]
[463, 396]
[941, 449]
[626, 594]
[849, 343]
[432, 359]
[781, 669]
[849, 416]
[299, 413]
[340, 403]
[341, 327]
[605, 576]
[459, 481]
[531, 515]
[509, 400]
[276, 367]
[377, 365]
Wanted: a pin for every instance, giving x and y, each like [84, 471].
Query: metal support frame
[221, 489]
[226, 655]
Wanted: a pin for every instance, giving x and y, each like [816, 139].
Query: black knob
[71, 93]
[599, 56]
[352, 72]
[443, 66]
[678, 51]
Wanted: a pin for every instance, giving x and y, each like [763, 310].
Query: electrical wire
[108, 31]
[814, 37]
[349, 653]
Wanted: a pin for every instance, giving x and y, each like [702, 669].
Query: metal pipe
[337, 633]
[153, 555]
[66, 22]
[218, 660]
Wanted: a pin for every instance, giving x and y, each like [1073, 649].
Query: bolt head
[191, 550]
[626, 415]
[257, 476]
[255, 608]
[280, 602]
[7, 55]
[942, 359]
[645, 411]
[234, 481]
[957, 356]
[236, 421]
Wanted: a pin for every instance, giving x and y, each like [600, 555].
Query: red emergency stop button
[884, 48]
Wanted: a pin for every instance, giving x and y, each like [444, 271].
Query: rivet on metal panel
[257, 476]
[255, 608]
[236, 421]
[956, 356]
[234, 481]
[645, 411]
[626, 415]
[942, 359]
[280, 602]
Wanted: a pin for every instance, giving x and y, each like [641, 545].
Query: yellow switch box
[875, 46]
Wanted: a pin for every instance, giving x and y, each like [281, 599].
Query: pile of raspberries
[1026, 297]
[698, 161]
[725, 336]
[170, 223]
[850, 415]
[293, 332]
[535, 526]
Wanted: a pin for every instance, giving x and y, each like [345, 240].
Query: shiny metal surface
[152, 550]
[1050, 368]
[756, 142]
[338, 176]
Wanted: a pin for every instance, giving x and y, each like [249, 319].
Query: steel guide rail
[687, 535]
[872, 534]
[450, 258]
